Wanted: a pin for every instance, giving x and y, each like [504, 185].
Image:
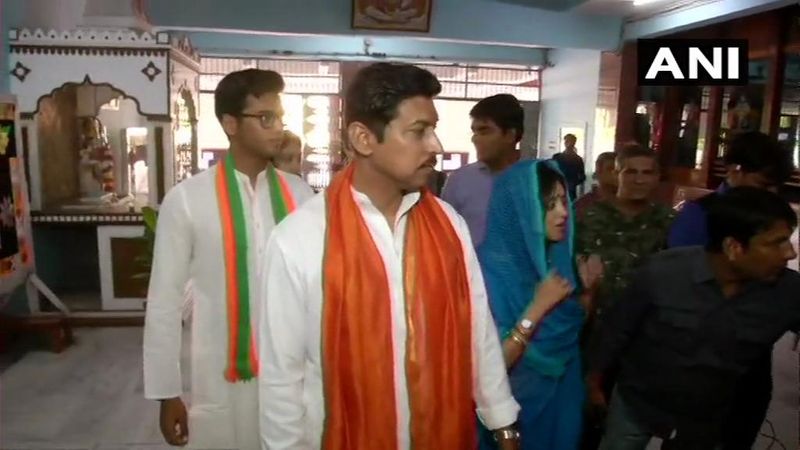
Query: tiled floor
[90, 397]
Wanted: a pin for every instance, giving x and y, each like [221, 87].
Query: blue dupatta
[515, 257]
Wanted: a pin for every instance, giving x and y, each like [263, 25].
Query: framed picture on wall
[394, 15]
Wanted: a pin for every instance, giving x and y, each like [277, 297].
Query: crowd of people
[492, 309]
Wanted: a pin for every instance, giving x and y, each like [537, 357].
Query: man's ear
[732, 249]
[510, 135]
[229, 124]
[361, 139]
[734, 175]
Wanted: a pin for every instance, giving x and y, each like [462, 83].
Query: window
[310, 100]
[475, 82]
[312, 103]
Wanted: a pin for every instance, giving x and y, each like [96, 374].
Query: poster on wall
[16, 250]
[392, 15]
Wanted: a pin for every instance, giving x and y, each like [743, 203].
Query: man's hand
[590, 269]
[505, 442]
[509, 444]
[597, 398]
[174, 424]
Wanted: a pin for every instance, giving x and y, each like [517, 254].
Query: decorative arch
[87, 81]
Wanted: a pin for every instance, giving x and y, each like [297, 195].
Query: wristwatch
[526, 327]
[506, 434]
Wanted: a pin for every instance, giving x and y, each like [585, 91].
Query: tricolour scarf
[357, 344]
[242, 361]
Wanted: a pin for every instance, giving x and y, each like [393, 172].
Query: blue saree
[515, 256]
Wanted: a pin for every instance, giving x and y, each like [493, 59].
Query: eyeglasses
[267, 119]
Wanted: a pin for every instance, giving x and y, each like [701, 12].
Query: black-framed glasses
[268, 119]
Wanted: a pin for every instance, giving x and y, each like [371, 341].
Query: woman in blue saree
[537, 294]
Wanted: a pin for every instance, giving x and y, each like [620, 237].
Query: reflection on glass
[742, 105]
[138, 176]
[647, 120]
[788, 126]
[691, 137]
[649, 112]
[183, 134]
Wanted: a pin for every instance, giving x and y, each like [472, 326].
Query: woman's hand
[549, 293]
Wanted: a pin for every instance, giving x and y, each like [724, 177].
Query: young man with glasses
[212, 230]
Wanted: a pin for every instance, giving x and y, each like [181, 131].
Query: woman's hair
[548, 180]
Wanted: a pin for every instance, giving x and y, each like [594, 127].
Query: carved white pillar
[152, 158]
[34, 166]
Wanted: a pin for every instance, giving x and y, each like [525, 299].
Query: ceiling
[627, 9]
[615, 8]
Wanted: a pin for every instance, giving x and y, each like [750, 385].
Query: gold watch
[506, 434]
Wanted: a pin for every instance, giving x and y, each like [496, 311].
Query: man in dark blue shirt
[693, 323]
[753, 159]
[756, 160]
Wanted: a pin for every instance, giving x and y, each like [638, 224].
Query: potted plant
[145, 260]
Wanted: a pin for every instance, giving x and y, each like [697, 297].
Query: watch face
[527, 324]
[506, 435]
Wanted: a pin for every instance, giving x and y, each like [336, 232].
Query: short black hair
[756, 152]
[606, 157]
[634, 151]
[378, 89]
[231, 94]
[743, 212]
[570, 135]
[502, 109]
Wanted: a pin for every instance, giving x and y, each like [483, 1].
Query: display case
[107, 133]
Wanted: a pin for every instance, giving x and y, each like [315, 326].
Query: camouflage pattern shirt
[621, 242]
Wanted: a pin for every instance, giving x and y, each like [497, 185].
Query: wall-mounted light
[643, 2]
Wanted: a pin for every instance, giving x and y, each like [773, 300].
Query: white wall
[569, 98]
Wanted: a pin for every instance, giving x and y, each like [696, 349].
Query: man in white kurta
[189, 246]
[291, 386]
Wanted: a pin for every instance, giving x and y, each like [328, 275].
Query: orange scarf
[357, 356]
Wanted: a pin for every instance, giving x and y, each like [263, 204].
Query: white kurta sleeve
[495, 404]
[163, 318]
[282, 336]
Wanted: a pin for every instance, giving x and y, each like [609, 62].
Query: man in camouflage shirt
[622, 231]
[628, 228]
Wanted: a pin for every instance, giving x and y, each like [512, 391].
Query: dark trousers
[625, 432]
[594, 421]
[749, 407]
